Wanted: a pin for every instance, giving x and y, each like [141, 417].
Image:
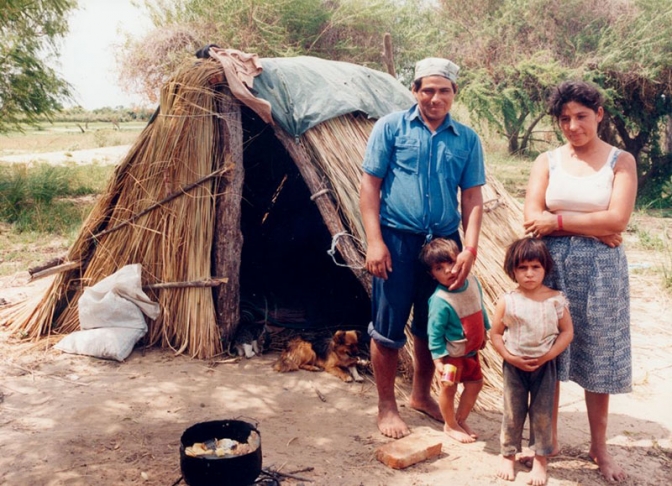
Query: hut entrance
[286, 275]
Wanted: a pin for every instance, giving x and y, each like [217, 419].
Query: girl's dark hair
[579, 91]
[525, 250]
[439, 250]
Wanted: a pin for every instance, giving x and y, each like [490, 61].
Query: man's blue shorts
[409, 285]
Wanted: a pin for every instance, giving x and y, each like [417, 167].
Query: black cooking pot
[219, 471]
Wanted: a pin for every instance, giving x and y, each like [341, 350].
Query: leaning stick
[214, 282]
[167, 199]
[43, 266]
[64, 267]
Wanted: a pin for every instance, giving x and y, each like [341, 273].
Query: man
[415, 162]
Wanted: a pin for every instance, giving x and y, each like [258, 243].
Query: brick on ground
[412, 449]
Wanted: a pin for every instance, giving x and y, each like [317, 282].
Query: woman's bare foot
[507, 468]
[538, 476]
[391, 424]
[427, 406]
[611, 471]
[458, 433]
[468, 429]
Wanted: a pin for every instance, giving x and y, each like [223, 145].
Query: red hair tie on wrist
[471, 250]
[559, 222]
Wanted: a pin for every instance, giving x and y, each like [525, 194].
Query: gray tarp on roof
[305, 91]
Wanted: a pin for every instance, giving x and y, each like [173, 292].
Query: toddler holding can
[456, 330]
[530, 328]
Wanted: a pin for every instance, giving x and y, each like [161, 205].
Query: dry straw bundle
[157, 210]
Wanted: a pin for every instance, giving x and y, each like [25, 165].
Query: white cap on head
[436, 66]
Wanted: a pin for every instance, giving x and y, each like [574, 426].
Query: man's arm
[378, 260]
[472, 215]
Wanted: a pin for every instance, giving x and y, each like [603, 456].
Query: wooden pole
[228, 238]
[388, 54]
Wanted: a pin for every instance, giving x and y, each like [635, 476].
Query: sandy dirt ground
[75, 420]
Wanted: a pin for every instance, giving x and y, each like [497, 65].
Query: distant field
[68, 136]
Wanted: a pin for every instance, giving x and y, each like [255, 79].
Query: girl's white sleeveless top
[567, 193]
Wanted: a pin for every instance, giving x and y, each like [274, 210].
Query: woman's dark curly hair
[579, 91]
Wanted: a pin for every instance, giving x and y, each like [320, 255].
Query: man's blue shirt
[422, 171]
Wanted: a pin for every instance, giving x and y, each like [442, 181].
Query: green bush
[34, 199]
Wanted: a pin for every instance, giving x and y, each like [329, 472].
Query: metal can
[449, 374]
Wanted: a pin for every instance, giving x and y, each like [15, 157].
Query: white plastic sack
[117, 301]
[111, 316]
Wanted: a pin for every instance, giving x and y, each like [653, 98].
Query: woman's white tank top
[567, 193]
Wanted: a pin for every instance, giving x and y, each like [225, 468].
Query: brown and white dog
[336, 355]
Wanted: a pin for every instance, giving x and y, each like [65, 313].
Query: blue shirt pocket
[407, 154]
[453, 164]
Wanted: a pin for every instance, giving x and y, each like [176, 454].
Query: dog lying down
[336, 355]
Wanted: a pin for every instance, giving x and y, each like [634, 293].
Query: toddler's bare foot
[538, 475]
[458, 433]
[611, 471]
[506, 468]
[428, 406]
[468, 429]
[390, 423]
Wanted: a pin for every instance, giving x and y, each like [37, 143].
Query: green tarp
[304, 91]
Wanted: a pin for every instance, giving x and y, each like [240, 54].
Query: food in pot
[224, 447]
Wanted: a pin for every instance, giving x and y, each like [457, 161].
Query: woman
[579, 199]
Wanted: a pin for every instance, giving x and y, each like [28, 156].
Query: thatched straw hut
[223, 209]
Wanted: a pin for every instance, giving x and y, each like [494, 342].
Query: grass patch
[40, 198]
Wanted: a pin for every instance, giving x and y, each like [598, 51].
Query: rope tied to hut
[319, 193]
[332, 251]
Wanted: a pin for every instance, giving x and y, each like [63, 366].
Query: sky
[87, 58]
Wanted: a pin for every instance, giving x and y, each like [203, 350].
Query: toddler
[456, 330]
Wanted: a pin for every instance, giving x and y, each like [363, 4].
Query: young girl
[531, 326]
[456, 330]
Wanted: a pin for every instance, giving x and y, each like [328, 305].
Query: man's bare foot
[468, 429]
[428, 406]
[538, 476]
[458, 433]
[611, 471]
[391, 424]
[507, 468]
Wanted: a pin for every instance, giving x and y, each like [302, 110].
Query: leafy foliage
[637, 77]
[344, 30]
[29, 88]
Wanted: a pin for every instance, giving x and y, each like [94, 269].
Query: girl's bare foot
[526, 458]
[458, 433]
[468, 430]
[391, 424]
[538, 475]
[507, 468]
[611, 471]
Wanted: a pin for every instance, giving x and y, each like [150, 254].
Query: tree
[514, 51]
[512, 99]
[343, 30]
[634, 67]
[29, 31]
